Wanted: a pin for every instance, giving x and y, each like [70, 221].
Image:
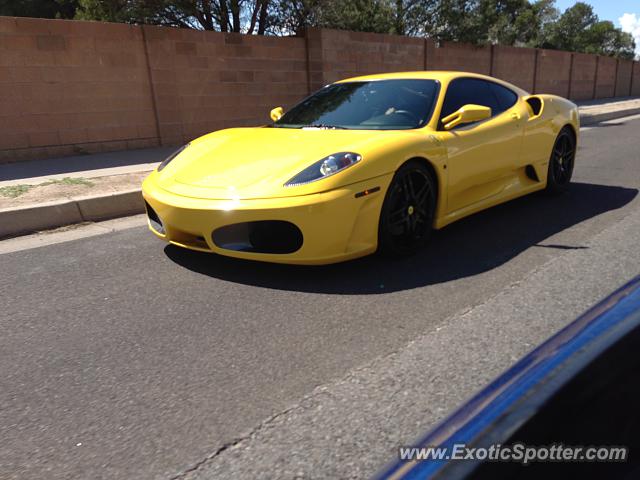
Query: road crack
[315, 393]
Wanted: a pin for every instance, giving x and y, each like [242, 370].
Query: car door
[482, 156]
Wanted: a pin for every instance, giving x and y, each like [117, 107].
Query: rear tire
[406, 218]
[561, 162]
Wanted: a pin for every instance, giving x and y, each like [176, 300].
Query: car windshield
[372, 105]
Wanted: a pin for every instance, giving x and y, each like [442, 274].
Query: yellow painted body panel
[238, 175]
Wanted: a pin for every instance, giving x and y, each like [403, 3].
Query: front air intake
[267, 236]
[154, 220]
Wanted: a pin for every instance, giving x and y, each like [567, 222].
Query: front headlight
[166, 161]
[325, 168]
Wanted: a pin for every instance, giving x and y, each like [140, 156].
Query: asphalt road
[125, 358]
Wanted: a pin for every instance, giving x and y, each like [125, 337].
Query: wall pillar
[315, 59]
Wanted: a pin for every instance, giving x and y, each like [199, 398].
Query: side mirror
[467, 114]
[276, 113]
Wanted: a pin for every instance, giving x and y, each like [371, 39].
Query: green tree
[410, 16]
[455, 20]
[514, 22]
[604, 38]
[507, 22]
[291, 16]
[249, 16]
[39, 8]
[534, 23]
[579, 30]
[361, 15]
[569, 31]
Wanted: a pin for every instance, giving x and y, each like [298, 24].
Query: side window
[463, 91]
[506, 98]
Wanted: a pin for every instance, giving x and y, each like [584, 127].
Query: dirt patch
[60, 190]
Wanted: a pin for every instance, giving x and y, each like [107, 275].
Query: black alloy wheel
[406, 219]
[561, 162]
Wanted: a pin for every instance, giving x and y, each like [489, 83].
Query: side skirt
[485, 204]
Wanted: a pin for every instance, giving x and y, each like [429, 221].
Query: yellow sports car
[372, 163]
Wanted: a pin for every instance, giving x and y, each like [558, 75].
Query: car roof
[440, 75]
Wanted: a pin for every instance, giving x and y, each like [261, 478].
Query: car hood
[257, 162]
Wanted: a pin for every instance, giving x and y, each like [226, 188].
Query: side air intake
[531, 173]
[536, 105]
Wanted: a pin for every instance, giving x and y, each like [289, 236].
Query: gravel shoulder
[68, 189]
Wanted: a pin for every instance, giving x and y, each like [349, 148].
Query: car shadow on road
[468, 247]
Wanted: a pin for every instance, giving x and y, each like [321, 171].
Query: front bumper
[335, 225]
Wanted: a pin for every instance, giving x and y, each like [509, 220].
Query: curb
[590, 119]
[23, 220]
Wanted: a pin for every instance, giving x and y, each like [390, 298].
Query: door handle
[515, 115]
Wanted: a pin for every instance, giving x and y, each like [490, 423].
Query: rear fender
[548, 114]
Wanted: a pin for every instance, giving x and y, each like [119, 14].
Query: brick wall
[582, 76]
[606, 77]
[205, 81]
[623, 78]
[635, 78]
[553, 71]
[459, 56]
[336, 54]
[515, 65]
[70, 87]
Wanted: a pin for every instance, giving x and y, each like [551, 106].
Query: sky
[624, 13]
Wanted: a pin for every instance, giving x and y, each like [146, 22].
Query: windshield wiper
[324, 125]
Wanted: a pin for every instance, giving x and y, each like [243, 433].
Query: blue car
[580, 388]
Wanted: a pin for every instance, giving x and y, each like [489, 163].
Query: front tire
[561, 162]
[406, 218]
